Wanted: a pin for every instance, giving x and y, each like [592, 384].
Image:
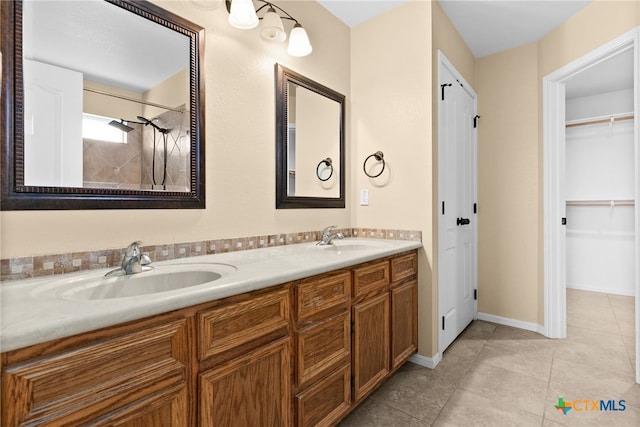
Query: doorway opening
[560, 192]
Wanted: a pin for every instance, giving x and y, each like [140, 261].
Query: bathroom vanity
[298, 352]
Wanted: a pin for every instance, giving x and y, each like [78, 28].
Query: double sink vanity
[294, 335]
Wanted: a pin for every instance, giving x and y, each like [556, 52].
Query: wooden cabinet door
[138, 379]
[253, 390]
[404, 322]
[370, 345]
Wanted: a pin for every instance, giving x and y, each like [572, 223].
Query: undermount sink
[164, 278]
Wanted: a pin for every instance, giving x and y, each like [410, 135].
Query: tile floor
[495, 376]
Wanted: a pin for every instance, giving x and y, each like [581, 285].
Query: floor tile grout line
[459, 381]
[626, 348]
[385, 403]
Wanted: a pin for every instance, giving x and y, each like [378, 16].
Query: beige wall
[172, 92]
[240, 148]
[391, 106]
[109, 106]
[508, 184]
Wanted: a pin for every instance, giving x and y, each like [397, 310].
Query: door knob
[463, 221]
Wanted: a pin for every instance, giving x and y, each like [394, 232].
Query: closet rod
[600, 203]
[600, 120]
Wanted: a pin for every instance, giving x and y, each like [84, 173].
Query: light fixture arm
[267, 4]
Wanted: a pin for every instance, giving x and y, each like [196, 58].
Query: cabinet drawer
[370, 278]
[321, 347]
[315, 296]
[224, 328]
[84, 384]
[326, 401]
[403, 267]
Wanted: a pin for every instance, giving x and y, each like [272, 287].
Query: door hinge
[475, 121]
[564, 221]
[443, 323]
[352, 326]
[443, 207]
[442, 86]
[475, 294]
[475, 208]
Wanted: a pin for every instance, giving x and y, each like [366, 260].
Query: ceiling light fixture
[243, 15]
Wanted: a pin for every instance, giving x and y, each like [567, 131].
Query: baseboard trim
[428, 362]
[614, 291]
[515, 323]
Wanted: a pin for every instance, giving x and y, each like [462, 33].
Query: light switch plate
[364, 197]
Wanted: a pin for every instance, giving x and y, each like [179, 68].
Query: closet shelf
[611, 203]
[600, 120]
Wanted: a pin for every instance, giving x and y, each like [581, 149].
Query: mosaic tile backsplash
[48, 265]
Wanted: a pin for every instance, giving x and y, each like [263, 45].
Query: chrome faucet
[132, 261]
[328, 234]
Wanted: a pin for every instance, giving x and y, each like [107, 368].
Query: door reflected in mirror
[309, 143]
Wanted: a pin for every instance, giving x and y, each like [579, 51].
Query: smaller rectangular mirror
[310, 164]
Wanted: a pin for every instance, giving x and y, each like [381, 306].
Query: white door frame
[444, 62]
[555, 305]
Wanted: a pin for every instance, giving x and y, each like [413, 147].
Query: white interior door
[457, 232]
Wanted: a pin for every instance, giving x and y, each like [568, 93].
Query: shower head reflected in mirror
[124, 127]
[121, 125]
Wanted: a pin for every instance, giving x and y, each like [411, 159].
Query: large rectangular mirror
[103, 106]
[310, 165]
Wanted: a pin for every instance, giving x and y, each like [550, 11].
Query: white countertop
[32, 312]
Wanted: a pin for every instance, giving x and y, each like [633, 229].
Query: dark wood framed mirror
[142, 75]
[310, 147]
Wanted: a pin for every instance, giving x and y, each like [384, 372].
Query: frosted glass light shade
[243, 14]
[299, 44]
[272, 28]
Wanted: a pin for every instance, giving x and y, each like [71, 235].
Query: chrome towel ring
[329, 164]
[379, 157]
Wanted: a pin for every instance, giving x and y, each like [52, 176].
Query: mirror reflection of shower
[123, 125]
